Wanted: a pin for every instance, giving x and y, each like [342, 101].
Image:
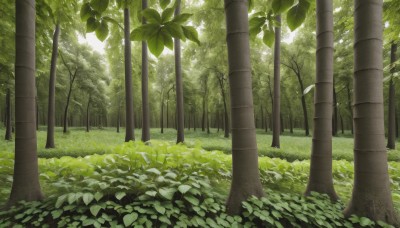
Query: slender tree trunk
[303, 105]
[291, 122]
[87, 115]
[245, 174]
[397, 127]
[179, 84]
[371, 196]
[226, 119]
[52, 91]
[262, 117]
[203, 119]
[335, 112]
[37, 113]
[162, 114]
[321, 179]
[26, 174]
[8, 135]
[282, 125]
[349, 106]
[276, 110]
[145, 89]
[130, 125]
[119, 118]
[392, 104]
[341, 123]
[71, 84]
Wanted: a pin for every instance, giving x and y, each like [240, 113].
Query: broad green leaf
[184, 188]
[269, 37]
[111, 20]
[130, 218]
[160, 209]
[154, 171]
[255, 25]
[182, 18]
[120, 195]
[56, 213]
[99, 5]
[297, 14]
[151, 193]
[144, 32]
[156, 47]
[152, 16]
[86, 12]
[102, 31]
[191, 33]
[91, 25]
[193, 200]
[167, 15]
[87, 198]
[60, 201]
[168, 42]
[71, 198]
[164, 3]
[95, 210]
[137, 34]
[167, 193]
[175, 30]
[98, 196]
[280, 6]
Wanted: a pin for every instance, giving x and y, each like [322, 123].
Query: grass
[294, 146]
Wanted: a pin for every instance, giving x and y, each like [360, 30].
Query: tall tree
[72, 77]
[145, 89]
[391, 144]
[371, 196]
[26, 174]
[276, 111]
[245, 175]
[321, 179]
[8, 135]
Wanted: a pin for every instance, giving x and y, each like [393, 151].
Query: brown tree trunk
[245, 174]
[203, 119]
[335, 114]
[162, 114]
[371, 196]
[26, 174]
[276, 102]
[282, 125]
[52, 91]
[8, 135]
[321, 178]
[349, 106]
[71, 84]
[179, 84]
[119, 118]
[130, 125]
[87, 115]
[145, 89]
[392, 104]
[341, 123]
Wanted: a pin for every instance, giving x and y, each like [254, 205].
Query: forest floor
[294, 146]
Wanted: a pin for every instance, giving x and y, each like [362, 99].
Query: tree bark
[321, 178]
[304, 106]
[130, 125]
[392, 103]
[119, 117]
[341, 123]
[145, 89]
[226, 117]
[371, 196]
[349, 106]
[8, 135]
[162, 114]
[87, 115]
[179, 84]
[282, 125]
[26, 174]
[276, 110]
[51, 112]
[203, 118]
[71, 84]
[335, 114]
[245, 174]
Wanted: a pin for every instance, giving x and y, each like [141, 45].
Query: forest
[199, 113]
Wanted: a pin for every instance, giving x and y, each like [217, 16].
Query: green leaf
[191, 33]
[152, 16]
[269, 37]
[91, 25]
[154, 170]
[167, 193]
[168, 42]
[297, 14]
[184, 188]
[160, 209]
[95, 210]
[56, 214]
[164, 3]
[130, 218]
[192, 200]
[255, 25]
[308, 89]
[182, 18]
[175, 30]
[102, 31]
[111, 20]
[88, 198]
[164, 219]
[99, 5]
[167, 15]
[280, 6]
[144, 32]
[71, 198]
[60, 201]
[98, 196]
[120, 195]
[151, 193]
[86, 12]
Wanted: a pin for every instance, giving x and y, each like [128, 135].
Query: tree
[276, 111]
[370, 156]
[245, 175]
[8, 135]
[391, 144]
[145, 89]
[320, 179]
[26, 174]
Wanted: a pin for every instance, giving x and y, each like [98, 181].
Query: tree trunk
[130, 125]
[226, 119]
[341, 123]
[162, 114]
[335, 114]
[26, 174]
[87, 115]
[37, 113]
[8, 135]
[349, 106]
[145, 89]
[392, 104]
[276, 110]
[303, 105]
[282, 125]
[245, 174]
[52, 91]
[371, 196]
[321, 179]
[119, 118]
[179, 84]
[71, 84]
[203, 119]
